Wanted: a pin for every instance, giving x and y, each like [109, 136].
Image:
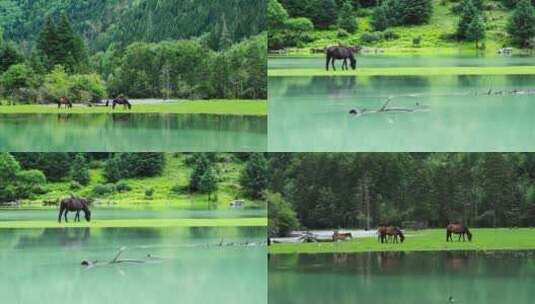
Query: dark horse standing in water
[459, 229]
[386, 233]
[341, 53]
[74, 204]
[121, 100]
[64, 101]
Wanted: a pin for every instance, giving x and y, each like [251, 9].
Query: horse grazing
[64, 101]
[121, 100]
[74, 204]
[459, 229]
[390, 233]
[339, 236]
[341, 53]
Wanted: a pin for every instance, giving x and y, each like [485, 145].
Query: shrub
[177, 189]
[122, 186]
[74, 185]
[299, 24]
[149, 193]
[342, 33]
[390, 35]
[103, 190]
[368, 37]
[416, 41]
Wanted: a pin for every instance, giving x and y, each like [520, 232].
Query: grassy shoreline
[217, 107]
[138, 223]
[407, 71]
[424, 240]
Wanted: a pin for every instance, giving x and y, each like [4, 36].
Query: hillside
[102, 22]
[437, 36]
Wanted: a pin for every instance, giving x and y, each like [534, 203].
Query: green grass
[433, 42]
[176, 172]
[139, 223]
[408, 71]
[424, 240]
[219, 107]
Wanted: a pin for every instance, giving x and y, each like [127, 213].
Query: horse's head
[88, 215]
[353, 62]
[469, 234]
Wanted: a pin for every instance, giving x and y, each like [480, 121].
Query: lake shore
[422, 240]
[406, 71]
[215, 107]
[138, 223]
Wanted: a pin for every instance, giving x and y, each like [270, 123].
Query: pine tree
[225, 40]
[414, 11]
[468, 14]
[80, 170]
[48, 43]
[9, 55]
[208, 182]
[254, 177]
[476, 30]
[201, 166]
[346, 18]
[380, 19]
[521, 24]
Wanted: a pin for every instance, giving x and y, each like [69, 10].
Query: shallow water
[132, 133]
[403, 278]
[43, 266]
[113, 214]
[386, 61]
[453, 113]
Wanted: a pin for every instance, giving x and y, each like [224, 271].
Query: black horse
[341, 53]
[74, 204]
[121, 100]
[64, 101]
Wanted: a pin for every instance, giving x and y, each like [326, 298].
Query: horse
[387, 233]
[64, 101]
[339, 236]
[74, 204]
[121, 100]
[459, 229]
[341, 53]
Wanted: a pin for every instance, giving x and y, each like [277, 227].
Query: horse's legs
[77, 217]
[66, 211]
[448, 236]
[460, 234]
[344, 65]
[60, 214]
[328, 62]
[333, 62]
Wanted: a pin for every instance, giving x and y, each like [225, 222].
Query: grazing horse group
[341, 53]
[390, 234]
[74, 204]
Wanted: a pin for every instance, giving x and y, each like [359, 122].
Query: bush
[16, 80]
[177, 189]
[87, 88]
[103, 190]
[342, 33]
[299, 24]
[416, 41]
[282, 219]
[390, 35]
[30, 182]
[368, 37]
[149, 193]
[74, 185]
[122, 186]
[80, 169]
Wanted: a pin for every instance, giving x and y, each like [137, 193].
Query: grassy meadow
[217, 107]
[422, 240]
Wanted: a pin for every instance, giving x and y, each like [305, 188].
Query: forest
[180, 180]
[407, 23]
[90, 50]
[412, 190]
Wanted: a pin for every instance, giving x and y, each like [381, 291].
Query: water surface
[132, 133]
[452, 113]
[43, 266]
[403, 278]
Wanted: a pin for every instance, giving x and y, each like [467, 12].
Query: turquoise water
[403, 278]
[132, 133]
[451, 114]
[188, 266]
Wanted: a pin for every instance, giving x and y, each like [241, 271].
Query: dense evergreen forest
[412, 190]
[89, 50]
[296, 23]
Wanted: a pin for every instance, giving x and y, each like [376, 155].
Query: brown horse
[342, 236]
[334, 53]
[459, 229]
[64, 101]
[74, 204]
[390, 233]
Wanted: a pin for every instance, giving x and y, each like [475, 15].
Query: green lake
[186, 265]
[403, 278]
[446, 114]
[132, 133]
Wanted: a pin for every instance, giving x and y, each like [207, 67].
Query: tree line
[214, 65]
[292, 22]
[363, 190]
[26, 175]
